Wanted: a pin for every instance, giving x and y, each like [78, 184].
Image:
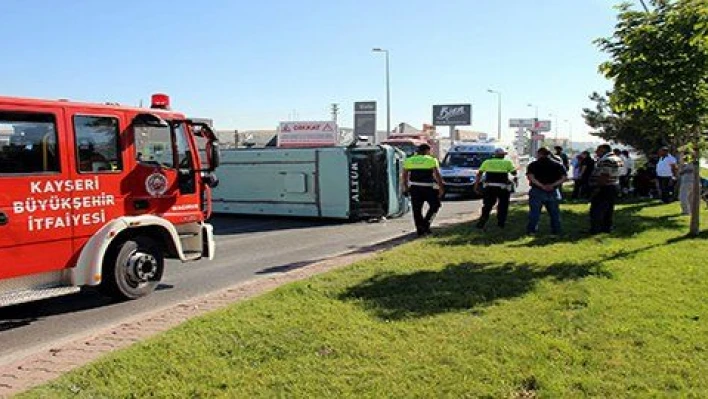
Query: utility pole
[335, 112]
[388, 91]
[499, 101]
[555, 122]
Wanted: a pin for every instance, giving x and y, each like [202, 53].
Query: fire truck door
[165, 180]
[35, 215]
[98, 170]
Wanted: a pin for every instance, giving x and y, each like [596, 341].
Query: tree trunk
[696, 197]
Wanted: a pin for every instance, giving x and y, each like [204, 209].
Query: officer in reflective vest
[497, 186]
[421, 179]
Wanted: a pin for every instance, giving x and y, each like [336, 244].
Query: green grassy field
[461, 314]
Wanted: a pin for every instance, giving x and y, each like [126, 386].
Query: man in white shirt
[666, 173]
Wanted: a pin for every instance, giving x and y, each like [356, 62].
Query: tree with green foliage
[659, 67]
[633, 128]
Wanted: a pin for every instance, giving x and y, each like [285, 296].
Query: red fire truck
[100, 195]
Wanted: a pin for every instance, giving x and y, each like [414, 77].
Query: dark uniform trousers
[490, 197]
[419, 196]
[602, 208]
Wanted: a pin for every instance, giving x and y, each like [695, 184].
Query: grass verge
[462, 314]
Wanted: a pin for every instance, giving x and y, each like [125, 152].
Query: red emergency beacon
[160, 101]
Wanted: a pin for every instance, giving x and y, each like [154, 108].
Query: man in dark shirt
[586, 169]
[563, 157]
[545, 177]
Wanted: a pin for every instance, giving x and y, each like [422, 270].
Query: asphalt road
[247, 248]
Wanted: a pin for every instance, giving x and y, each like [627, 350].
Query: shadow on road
[22, 315]
[237, 224]
[354, 249]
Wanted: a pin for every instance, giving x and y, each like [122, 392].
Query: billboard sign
[365, 106]
[365, 118]
[542, 126]
[523, 123]
[307, 134]
[452, 115]
[365, 125]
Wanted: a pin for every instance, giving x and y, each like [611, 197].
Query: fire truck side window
[97, 145]
[28, 143]
[184, 157]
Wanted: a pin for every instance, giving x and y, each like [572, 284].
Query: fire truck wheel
[132, 269]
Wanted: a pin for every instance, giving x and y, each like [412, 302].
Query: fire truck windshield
[154, 146]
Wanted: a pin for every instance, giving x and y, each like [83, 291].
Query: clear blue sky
[249, 64]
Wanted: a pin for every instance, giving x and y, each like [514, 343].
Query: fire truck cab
[100, 195]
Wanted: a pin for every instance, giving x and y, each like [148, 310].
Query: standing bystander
[629, 168]
[604, 183]
[666, 174]
[562, 156]
[546, 176]
[687, 173]
[586, 169]
[577, 165]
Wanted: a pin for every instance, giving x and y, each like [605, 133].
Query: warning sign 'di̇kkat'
[308, 134]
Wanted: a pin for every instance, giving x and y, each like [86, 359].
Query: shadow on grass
[628, 222]
[458, 287]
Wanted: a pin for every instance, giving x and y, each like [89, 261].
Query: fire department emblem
[156, 184]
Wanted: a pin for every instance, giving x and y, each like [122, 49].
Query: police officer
[497, 186]
[421, 172]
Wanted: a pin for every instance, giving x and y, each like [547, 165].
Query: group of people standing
[583, 166]
[597, 179]
[669, 174]
[546, 175]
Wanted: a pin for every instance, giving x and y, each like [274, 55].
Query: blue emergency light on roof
[160, 101]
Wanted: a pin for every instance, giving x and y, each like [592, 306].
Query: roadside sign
[307, 134]
[365, 125]
[452, 115]
[542, 126]
[524, 123]
[538, 137]
[365, 118]
[365, 106]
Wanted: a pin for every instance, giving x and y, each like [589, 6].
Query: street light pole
[388, 91]
[499, 96]
[534, 141]
[535, 106]
[570, 134]
[555, 116]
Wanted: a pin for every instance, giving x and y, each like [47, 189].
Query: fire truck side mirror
[214, 155]
[210, 179]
